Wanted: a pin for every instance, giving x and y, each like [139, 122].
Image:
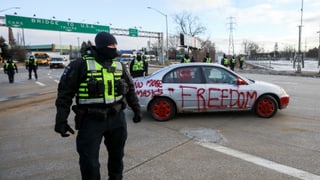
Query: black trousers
[114, 130]
[10, 76]
[34, 69]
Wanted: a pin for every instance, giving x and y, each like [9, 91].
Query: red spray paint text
[216, 98]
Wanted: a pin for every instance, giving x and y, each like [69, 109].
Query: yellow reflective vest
[138, 65]
[225, 61]
[109, 79]
[185, 60]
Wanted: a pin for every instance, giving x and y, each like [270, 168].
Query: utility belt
[99, 112]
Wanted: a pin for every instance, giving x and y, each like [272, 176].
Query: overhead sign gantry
[68, 26]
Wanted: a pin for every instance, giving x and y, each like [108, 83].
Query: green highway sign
[53, 25]
[133, 32]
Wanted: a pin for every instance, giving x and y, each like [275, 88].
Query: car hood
[267, 87]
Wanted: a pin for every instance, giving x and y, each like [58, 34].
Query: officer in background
[138, 66]
[9, 68]
[186, 59]
[32, 65]
[207, 59]
[241, 61]
[225, 61]
[233, 62]
[102, 88]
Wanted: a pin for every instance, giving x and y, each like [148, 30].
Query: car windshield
[56, 59]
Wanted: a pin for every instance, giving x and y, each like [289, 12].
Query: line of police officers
[10, 68]
[231, 61]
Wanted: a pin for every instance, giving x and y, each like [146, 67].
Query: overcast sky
[262, 21]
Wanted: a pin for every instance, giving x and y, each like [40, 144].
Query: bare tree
[250, 46]
[208, 46]
[188, 24]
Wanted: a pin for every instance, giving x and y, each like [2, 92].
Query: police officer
[9, 68]
[186, 59]
[233, 62]
[32, 65]
[207, 59]
[102, 87]
[138, 66]
[241, 60]
[225, 61]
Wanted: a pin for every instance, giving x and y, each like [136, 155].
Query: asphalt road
[237, 146]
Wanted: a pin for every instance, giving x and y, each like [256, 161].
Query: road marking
[57, 81]
[262, 162]
[39, 83]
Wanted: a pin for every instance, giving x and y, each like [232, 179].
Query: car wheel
[266, 106]
[162, 109]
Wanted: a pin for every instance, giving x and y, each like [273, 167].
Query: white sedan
[206, 87]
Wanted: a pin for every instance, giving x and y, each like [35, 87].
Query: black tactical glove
[137, 117]
[63, 128]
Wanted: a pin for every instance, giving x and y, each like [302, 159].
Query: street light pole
[2, 10]
[299, 57]
[319, 52]
[167, 38]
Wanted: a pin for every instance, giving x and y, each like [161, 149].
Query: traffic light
[181, 39]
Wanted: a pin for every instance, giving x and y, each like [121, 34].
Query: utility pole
[231, 28]
[299, 56]
[167, 38]
[319, 51]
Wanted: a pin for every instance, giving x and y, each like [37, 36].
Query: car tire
[266, 106]
[162, 109]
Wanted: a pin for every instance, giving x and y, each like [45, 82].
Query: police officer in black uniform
[138, 66]
[102, 88]
[9, 68]
[32, 65]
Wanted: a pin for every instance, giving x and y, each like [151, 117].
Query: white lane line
[39, 83]
[262, 162]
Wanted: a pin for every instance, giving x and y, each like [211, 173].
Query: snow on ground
[310, 65]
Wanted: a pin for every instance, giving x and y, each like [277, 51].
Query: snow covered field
[310, 65]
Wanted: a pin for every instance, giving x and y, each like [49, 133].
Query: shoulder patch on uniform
[66, 70]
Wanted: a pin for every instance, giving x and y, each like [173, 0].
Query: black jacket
[73, 75]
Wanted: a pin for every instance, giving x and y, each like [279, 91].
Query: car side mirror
[241, 81]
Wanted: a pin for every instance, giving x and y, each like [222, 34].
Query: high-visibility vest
[95, 70]
[138, 65]
[187, 60]
[241, 59]
[208, 60]
[233, 60]
[225, 61]
[12, 64]
[34, 62]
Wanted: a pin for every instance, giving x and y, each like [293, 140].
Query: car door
[185, 85]
[223, 90]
